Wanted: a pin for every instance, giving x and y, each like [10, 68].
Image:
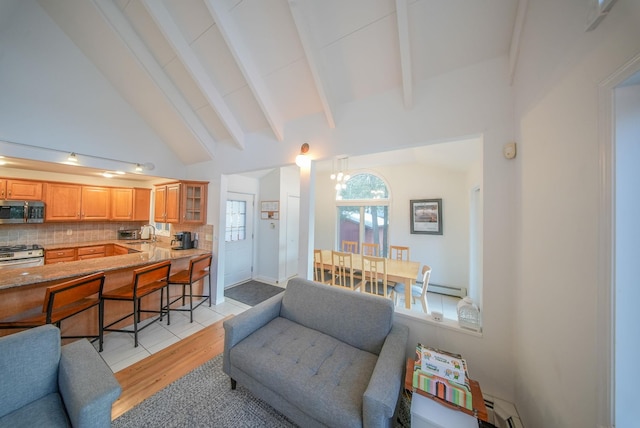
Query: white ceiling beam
[175, 37]
[310, 52]
[140, 52]
[402, 16]
[233, 38]
[514, 49]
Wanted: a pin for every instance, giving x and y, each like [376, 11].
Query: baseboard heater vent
[447, 290]
[502, 414]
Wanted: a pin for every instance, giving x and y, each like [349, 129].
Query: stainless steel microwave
[21, 212]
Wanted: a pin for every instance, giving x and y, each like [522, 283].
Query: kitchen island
[24, 288]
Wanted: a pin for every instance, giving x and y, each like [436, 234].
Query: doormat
[253, 292]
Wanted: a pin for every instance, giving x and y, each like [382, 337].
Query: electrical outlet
[69, 232]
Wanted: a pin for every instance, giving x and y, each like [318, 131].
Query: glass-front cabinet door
[194, 202]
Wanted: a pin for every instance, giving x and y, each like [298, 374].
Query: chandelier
[340, 173]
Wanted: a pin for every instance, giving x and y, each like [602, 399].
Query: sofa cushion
[48, 412]
[368, 318]
[36, 352]
[313, 371]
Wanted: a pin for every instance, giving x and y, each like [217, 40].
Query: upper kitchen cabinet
[167, 203]
[22, 190]
[62, 201]
[193, 207]
[181, 202]
[95, 203]
[130, 203]
[71, 202]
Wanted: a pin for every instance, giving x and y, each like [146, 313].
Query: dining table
[404, 271]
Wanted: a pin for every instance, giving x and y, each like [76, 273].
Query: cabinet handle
[9, 192]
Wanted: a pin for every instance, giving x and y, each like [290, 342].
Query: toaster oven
[130, 234]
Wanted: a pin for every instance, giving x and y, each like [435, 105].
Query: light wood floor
[144, 378]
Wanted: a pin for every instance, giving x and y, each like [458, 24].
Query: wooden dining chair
[321, 272]
[370, 249]
[374, 276]
[398, 252]
[349, 247]
[418, 290]
[62, 301]
[342, 270]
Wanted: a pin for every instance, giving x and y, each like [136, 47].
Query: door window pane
[236, 224]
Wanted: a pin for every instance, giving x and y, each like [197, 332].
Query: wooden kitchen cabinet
[92, 252]
[63, 202]
[59, 256]
[129, 203]
[167, 203]
[121, 203]
[119, 250]
[22, 190]
[72, 202]
[95, 203]
[141, 204]
[193, 208]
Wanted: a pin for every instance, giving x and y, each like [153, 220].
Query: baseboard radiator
[502, 414]
[447, 290]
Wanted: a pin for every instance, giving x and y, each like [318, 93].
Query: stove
[14, 256]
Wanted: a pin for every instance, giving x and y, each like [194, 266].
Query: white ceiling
[206, 73]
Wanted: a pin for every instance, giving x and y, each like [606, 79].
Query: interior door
[238, 265]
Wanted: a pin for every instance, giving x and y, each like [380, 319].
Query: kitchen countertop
[148, 253]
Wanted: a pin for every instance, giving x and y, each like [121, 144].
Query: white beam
[232, 36]
[402, 16]
[140, 52]
[514, 50]
[169, 28]
[310, 52]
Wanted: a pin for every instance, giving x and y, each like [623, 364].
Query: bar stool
[199, 267]
[62, 301]
[146, 280]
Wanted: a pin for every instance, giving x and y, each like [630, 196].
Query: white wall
[269, 231]
[557, 79]
[53, 96]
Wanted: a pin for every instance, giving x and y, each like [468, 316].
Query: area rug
[253, 292]
[203, 398]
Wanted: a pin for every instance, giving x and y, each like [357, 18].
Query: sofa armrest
[381, 396]
[242, 325]
[87, 386]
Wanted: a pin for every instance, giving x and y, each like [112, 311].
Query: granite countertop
[147, 253]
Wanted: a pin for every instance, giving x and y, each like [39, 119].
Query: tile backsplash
[79, 232]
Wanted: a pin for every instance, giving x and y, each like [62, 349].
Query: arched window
[363, 211]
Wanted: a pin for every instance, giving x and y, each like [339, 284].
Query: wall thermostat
[509, 150]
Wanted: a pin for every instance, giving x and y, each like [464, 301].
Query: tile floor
[120, 353]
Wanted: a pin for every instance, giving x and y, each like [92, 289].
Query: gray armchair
[44, 384]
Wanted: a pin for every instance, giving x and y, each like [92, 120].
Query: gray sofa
[320, 355]
[46, 385]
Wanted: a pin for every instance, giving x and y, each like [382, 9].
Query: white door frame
[605, 316]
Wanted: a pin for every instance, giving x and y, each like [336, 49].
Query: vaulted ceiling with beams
[206, 73]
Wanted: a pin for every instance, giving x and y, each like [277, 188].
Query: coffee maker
[183, 241]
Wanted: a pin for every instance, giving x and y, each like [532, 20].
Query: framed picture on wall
[426, 216]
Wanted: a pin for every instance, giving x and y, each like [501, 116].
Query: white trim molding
[605, 318]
